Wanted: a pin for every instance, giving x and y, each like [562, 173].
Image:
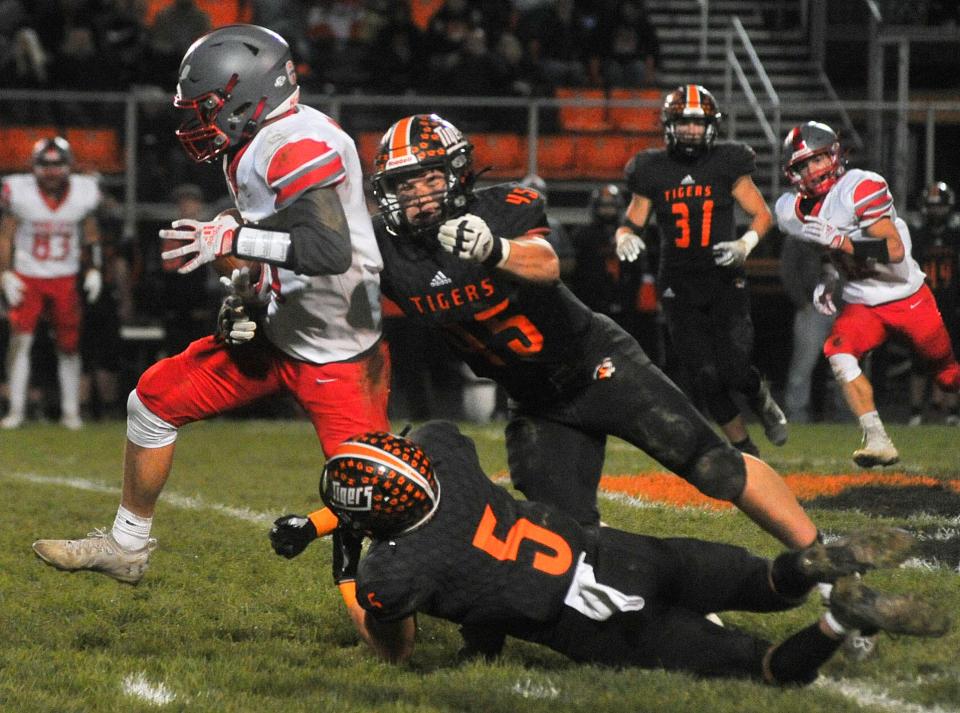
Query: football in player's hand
[228, 263]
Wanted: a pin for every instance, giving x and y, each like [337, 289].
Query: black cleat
[856, 606]
[856, 553]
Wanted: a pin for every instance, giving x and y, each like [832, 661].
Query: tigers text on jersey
[323, 318]
[693, 201]
[47, 240]
[525, 336]
[858, 200]
[483, 557]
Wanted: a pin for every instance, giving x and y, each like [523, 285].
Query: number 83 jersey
[528, 337]
[693, 202]
[47, 240]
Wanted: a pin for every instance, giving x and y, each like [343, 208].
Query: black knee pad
[720, 473]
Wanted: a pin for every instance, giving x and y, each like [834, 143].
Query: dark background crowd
[514, 48]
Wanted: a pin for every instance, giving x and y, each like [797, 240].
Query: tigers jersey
[938, 254]
[48, 236]
[858, 200]
[525, 336]
[693, 202]
[322, 318]
[482, 558]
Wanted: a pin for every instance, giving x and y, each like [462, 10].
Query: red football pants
[860, 328]
[208, 378]
[59, 296]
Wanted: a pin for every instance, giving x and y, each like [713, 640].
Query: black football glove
[346, 554]
[291, 534]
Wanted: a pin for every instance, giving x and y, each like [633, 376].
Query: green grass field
[222, 624]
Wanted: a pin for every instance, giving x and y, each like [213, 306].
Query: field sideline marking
[156, 693]
[865, 695]
[859, 693]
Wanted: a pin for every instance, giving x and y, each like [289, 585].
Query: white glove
[823, 300]
[733, 253]
[630, 246]
[92, 284]
[234, 326]
[208, 240]
[12, 287]
[817, 230]
[469, 238]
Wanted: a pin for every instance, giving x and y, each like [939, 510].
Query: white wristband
[258, 244]
[750, 240]
[505, 244]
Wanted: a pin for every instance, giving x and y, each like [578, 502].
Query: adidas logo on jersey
[687, 180]
[440, 279]
[667, 293]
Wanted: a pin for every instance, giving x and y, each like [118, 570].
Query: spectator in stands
[174, 30]
[400, 46]
[553, 34]
[936, 247]
[121, 38]
[624, 49]
[189, 301]
[800, 274]
[625, 292]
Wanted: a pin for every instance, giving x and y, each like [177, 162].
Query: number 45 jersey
[527, 337]
[47, 241]
[693, 201]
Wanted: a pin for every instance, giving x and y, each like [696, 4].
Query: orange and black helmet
[380, 484]
[690, 102]
[412, 146]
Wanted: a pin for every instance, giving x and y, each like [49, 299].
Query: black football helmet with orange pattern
[690, 102]
[380, 485]
[414, 145]
[802, 143]
[937, 202]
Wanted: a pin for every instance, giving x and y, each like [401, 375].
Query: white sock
[68, 369]
[131, 531]
[835, 626]
[870, 423]
[18, 368]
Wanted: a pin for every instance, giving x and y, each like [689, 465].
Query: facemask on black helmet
[690, 118]
[232, 80]
[423, 175]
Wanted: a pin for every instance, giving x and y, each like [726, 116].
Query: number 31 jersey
[47, 241]
[693, 202]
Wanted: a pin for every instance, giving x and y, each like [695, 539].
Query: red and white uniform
[46, 252]
[47, 241]
[308, 316]
[858, 200]
[880, 298]
[323, 331]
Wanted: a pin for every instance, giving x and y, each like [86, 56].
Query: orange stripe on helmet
[693, 97]
[352, 449]
[400, 141]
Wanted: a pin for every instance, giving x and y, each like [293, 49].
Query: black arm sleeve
[319, 234]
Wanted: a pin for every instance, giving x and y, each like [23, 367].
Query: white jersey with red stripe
[47, 239]
[858, 200]
[324, 318]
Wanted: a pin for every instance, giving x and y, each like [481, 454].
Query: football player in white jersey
[866, 261]
[48, 236]
[297, 183]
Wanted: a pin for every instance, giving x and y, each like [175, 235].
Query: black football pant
[680, 580]
[556, 451]
[713, 340]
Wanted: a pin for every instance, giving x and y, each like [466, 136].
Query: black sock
[916, 410]
[788, 580]
[747, 446]
[799, 658]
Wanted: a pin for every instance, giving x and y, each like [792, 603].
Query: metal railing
[733, 67]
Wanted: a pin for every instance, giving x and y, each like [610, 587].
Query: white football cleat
[97, 552]
[71, 423]
[876, 450]
[11, 421]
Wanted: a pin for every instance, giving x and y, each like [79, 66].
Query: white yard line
[865, 695]
[154, 693]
